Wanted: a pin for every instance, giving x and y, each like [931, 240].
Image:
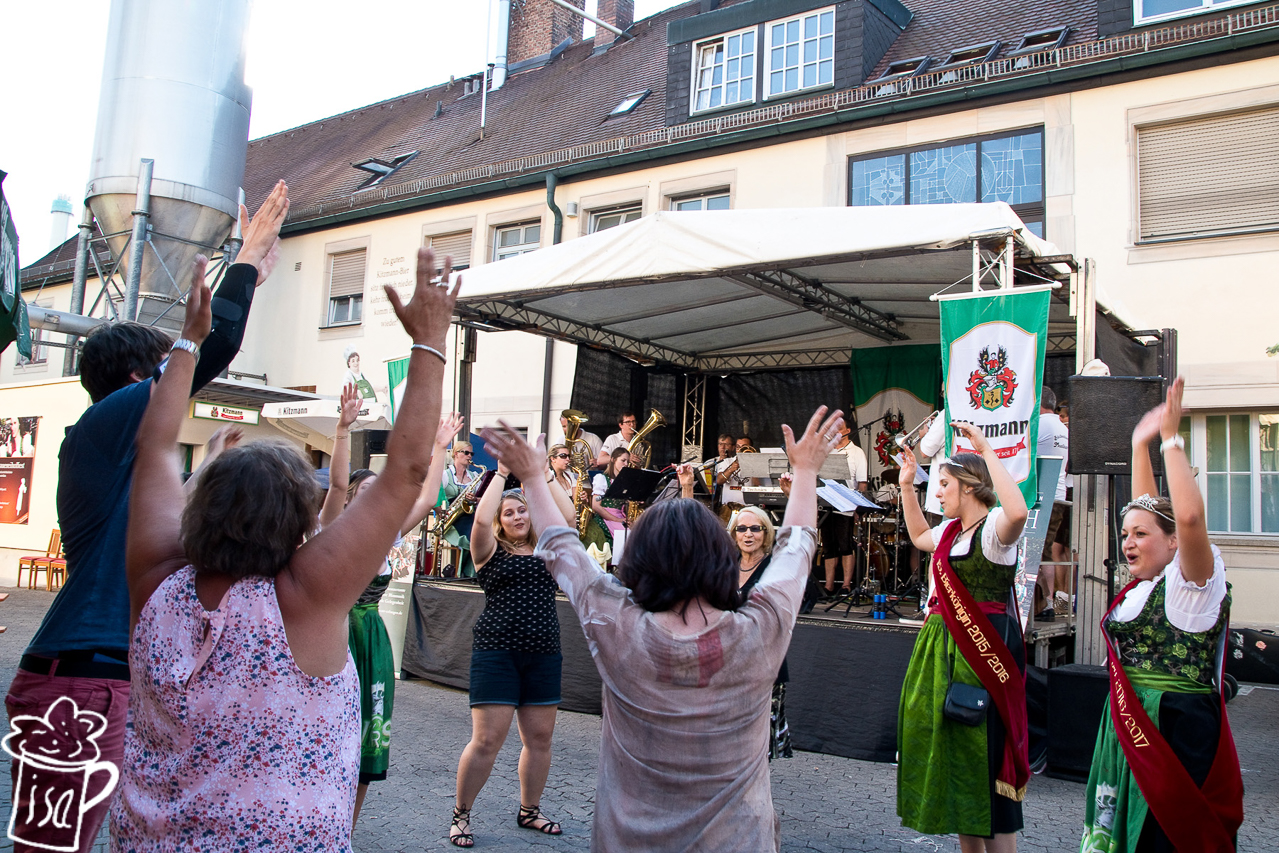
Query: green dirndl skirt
[945, 782]
[371, 649]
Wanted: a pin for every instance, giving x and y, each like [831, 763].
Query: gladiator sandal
[460, 830]
[529, 818]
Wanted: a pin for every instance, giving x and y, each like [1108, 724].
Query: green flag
[397, 371]
[13, 311]
[894, 389]
[992, 350]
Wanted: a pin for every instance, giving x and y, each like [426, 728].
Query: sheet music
[844, 499]
[921, 475]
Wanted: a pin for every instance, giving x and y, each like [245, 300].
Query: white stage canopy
[733, 290]
[315, 422]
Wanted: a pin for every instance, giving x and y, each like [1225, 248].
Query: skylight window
[629, 103]
[973, 55]
[380, 170]
[907, 67]
[1043, 39]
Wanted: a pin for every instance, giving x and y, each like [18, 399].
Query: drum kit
[883, 547]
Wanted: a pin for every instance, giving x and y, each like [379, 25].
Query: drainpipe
[557, 234]
[503, 35]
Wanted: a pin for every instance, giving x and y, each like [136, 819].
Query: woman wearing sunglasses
[560, 473]
[753, 533]
[456, 478]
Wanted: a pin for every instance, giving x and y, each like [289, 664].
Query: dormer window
[380, 169]
[972, 55]
[1149, 11]
[725, 71]
[1043, 39]
[800, 53]
[906, 67]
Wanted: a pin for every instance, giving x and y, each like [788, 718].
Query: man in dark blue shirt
[81, 648]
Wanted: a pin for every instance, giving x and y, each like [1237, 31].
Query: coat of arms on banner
[894, 424]
[992, 384]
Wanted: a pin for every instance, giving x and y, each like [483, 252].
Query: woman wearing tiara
[1165, 774]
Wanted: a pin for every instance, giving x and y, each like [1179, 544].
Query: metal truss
[811, 295]
[1062, 343]
[694, 421]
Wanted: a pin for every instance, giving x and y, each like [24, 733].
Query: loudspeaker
[366, 443]
[1103, 412]
[1077, 697]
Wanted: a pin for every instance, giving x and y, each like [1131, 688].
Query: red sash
[990, 658]
[1194, 819]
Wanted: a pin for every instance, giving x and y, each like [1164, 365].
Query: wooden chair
[33, 562]
[55, 569]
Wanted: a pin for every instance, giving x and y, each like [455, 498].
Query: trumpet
[915, 436]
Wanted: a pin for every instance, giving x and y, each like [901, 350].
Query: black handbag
[964, 703]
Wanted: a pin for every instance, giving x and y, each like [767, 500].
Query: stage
[845, 671]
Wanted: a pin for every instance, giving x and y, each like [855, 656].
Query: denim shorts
[515, 678]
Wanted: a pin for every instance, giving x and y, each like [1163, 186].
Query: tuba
[641, 451]
[579, 460]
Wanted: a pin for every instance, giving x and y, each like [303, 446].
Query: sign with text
[232, 414]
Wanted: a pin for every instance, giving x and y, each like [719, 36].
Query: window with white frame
[1145, 11]
[1208, 176]
[346, 287]
[714, 200]
[1238, 459]
[800, 53]
[724, 71]
[614, 216]
[512, 240]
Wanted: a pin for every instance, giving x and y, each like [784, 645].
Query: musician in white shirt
[838, 531]
[626, 429]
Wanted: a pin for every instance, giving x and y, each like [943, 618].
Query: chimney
[619, 13]
[61, 213]
[537, 26]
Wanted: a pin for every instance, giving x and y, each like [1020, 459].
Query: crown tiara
[1147, 503]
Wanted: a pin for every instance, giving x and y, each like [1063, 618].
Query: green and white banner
[992, 350]
[897, 388]
[13, 311]
[397, 371]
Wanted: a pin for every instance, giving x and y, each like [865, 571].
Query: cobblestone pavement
[825, 803]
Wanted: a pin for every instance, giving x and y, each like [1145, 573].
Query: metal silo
[173, 93]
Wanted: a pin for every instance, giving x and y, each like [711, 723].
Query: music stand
[762, 465]
[634, 484]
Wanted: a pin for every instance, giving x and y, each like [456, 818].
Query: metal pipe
[557, 234]
[138, 242]
[236, 241]
[594, 20]
[484, 100]
[62, 321]
[78, 281]
[499, 49]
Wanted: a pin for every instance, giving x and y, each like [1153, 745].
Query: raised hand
[1148, 428]
[973, 434]
[1171, 421]
[685, 475]
[263, 232]
[513, 453]
[427, 315]
[349, 406]
[223, 440]
[449, 425]
[199, 316]
[819, 439]
[909, 465]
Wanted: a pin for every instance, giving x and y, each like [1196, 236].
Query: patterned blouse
[231, 746]
[519, 606]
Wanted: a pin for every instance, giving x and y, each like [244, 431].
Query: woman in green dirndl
[966, 778]
[369, 643]
[610, 515]
[1168, 778]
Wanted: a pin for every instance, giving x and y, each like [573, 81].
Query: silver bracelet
[432, 350]
[186, 345]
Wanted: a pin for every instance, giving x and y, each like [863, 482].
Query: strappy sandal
[462, 823]
[528, 819]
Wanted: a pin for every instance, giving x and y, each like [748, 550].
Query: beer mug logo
[57, 755]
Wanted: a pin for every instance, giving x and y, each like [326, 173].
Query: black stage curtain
[1123, 355]
[764, 401]
[604, 385]
[841, 700]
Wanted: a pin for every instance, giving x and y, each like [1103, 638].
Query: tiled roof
[59, 264]
[942, 26]
[556, 115]
[564, 103]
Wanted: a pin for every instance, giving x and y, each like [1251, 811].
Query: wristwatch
[187, 345]
[1168, 443]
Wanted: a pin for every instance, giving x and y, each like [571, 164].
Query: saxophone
[579, 460]
[641, 455]
[463, 503]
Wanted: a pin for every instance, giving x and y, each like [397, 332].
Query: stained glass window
[1012, 169]
[944, 175]
[880, 180]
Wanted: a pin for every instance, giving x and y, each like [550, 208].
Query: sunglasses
[754, 528]
[465, 453]
[560, 456]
